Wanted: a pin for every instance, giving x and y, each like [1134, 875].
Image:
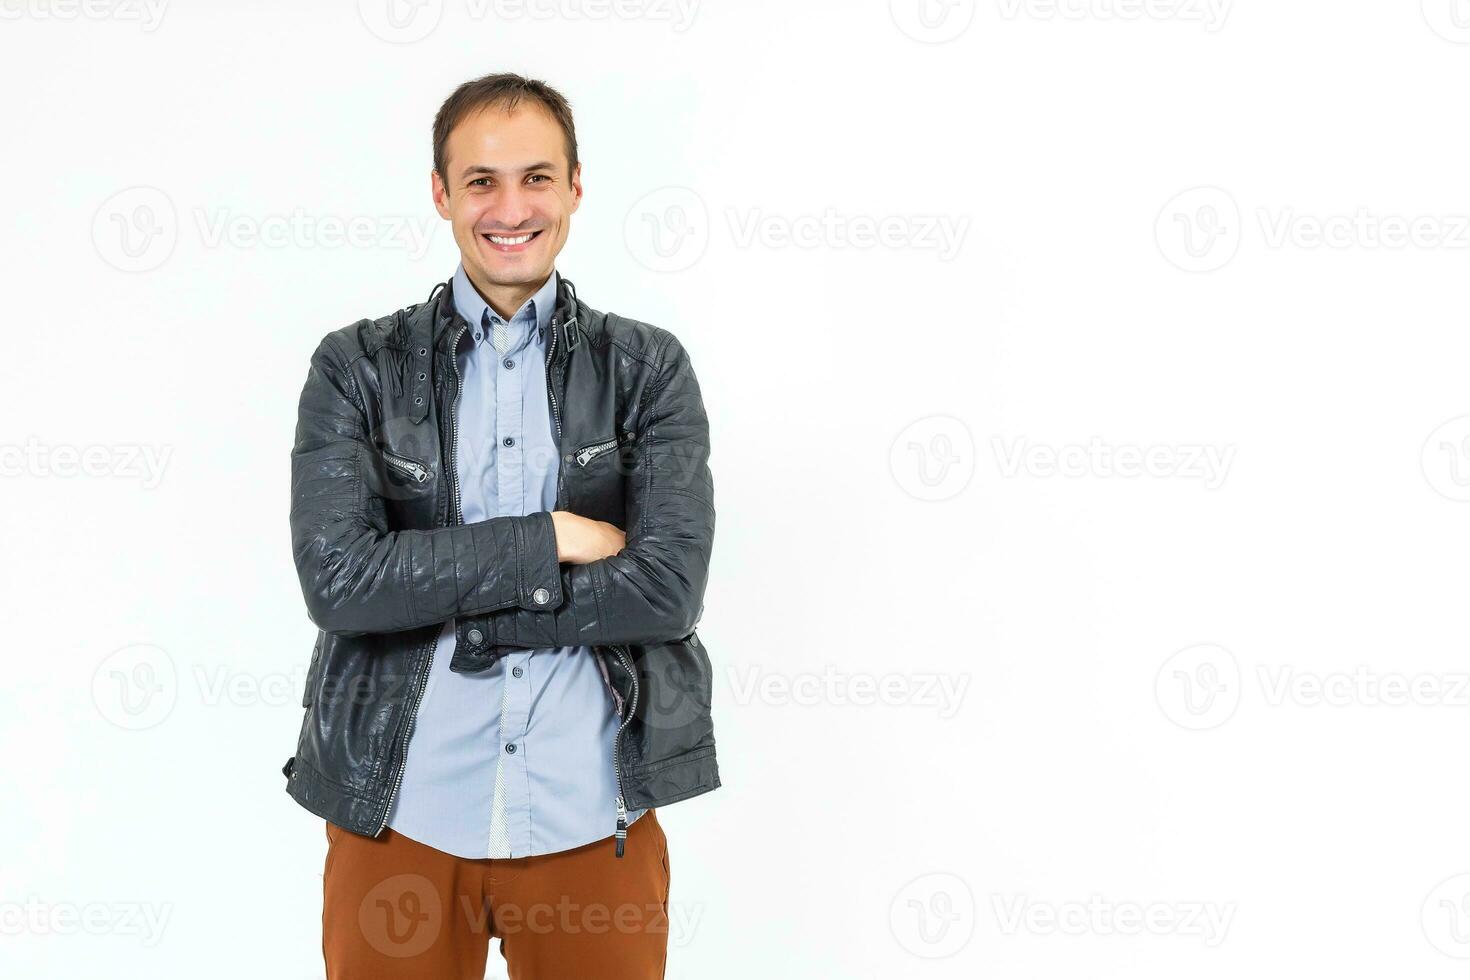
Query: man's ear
[577, 188]
[441, 194]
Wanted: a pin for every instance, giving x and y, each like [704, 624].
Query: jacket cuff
[538, 573]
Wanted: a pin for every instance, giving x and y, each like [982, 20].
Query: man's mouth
[510, 243]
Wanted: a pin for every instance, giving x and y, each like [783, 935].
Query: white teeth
[518, 240]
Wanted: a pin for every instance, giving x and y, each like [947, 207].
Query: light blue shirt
[515, 760]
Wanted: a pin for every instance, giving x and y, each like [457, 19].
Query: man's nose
[512, 209]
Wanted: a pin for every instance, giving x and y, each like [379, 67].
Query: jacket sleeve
[653, 590]
[359, 577]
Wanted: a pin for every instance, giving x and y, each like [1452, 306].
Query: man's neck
[506, 299]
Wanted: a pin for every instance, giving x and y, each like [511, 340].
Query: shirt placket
[511, 502]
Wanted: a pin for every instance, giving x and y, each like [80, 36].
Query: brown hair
[504, 90]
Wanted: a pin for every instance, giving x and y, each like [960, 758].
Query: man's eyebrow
[478, 169]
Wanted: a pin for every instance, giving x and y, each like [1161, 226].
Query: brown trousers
[393, 907]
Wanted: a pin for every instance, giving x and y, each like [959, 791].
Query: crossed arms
[357, 576]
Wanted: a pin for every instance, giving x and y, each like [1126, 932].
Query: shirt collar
[472, 307]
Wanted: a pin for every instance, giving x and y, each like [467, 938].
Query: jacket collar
[429, 325]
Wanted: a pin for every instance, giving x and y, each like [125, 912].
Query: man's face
[506, 178]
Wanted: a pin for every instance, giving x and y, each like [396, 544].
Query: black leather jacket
[385, 558]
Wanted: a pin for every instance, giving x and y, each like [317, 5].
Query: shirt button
[541, 597]
[516, 671]
[508, 363]
[511, 748]
[508, 441]
[476, 636]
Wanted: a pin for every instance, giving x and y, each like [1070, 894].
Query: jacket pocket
[594, 451]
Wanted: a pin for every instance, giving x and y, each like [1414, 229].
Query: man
[501, 514]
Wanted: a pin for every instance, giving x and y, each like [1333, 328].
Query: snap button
[476, 636]
[541, 597]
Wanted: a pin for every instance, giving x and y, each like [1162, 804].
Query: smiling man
[501, 516]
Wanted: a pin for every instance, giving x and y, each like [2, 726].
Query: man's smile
[510, 243]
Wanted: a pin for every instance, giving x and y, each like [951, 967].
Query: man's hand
[580, 540]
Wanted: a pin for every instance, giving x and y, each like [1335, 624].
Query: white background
[1189, 719]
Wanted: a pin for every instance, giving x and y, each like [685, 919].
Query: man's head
[505, 166]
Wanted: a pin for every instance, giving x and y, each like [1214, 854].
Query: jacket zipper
[621, 833]
[455, 518]
[587, 455]
[416, 471]
[582, 458]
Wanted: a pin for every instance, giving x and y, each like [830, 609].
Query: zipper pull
[622, 831]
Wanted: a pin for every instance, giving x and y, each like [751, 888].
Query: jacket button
[541, 597]
[476, 636]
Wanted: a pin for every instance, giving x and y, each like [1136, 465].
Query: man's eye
[538, 177]
[480, 182]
